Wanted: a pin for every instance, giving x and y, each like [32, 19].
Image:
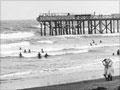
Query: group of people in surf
[100, 41]
[29, 51]
[94, 43]
[42, 51]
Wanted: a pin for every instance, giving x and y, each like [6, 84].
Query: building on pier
[65, 24]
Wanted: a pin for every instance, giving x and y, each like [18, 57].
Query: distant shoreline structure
[75, 24]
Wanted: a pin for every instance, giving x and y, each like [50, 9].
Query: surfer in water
[108, 69]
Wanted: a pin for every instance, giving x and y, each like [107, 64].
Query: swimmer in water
[93, 41]
[42, 50]
[20, 55]
[100, 41]
[39, 55]
[46, 55]
[25, 51]
[20, 48]
[29, 51]
[90, 44]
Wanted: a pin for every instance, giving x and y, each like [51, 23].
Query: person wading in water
[39, 55]
[108, 70]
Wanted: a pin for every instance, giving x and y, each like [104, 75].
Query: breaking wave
[17, 35]
[46, 41]
[9, 51]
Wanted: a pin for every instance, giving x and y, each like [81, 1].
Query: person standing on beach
[108, 70]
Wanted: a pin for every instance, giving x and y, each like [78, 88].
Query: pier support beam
[41, 27]
[118, 24]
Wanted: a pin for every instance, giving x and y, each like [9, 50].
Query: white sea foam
[108, 34]
[36, 26]
[35, 53]
[5, 51]
[67, 52]
[12, 49]
[17, 35]
[15, 75]
[19, 44]
[46, 41]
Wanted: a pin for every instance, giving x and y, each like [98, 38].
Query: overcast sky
[30, 9]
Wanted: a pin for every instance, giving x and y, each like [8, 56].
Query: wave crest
[17, 35]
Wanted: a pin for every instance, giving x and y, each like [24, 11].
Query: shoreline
[84, 85]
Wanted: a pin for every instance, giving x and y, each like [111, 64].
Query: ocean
[66, 52]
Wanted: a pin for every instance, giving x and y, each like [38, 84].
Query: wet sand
[85, 85]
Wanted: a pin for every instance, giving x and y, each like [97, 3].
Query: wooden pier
[78, 24]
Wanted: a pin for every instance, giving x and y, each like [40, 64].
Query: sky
[17, 10]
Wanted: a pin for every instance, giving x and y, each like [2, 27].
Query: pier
[67, 24]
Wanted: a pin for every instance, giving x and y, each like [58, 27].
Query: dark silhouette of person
[113, 54]
[118, 52]
[20, 55]
[68, 14]
[25, 51]
[39, 55]
[90, 44]
[20, 48]
[46, 55]
[29, 51]
[93, 41]
[100, 41]
[42, 50]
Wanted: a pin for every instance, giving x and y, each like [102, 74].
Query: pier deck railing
[78, 24]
